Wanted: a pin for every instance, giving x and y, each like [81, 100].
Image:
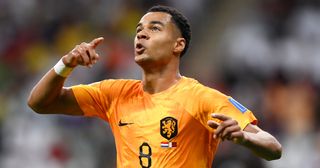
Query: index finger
[221, 117]
[213, 124]
[95, 42]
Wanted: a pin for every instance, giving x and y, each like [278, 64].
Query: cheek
[163, 45]
[163, 50]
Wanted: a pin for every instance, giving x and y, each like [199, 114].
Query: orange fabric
[143, 125]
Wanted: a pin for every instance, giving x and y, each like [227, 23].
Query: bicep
[66, 104]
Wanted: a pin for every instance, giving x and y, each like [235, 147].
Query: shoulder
[110, 85]
[119, 82]
[202, 91]
[119, 85]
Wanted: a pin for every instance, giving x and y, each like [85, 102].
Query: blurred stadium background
[265, 53]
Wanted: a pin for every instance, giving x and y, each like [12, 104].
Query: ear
[179, 45]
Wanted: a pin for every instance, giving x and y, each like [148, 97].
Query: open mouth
[139, 48]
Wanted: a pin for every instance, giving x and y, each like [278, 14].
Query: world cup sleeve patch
[238, 105]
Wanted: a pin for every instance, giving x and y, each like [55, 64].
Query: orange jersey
[166, 129]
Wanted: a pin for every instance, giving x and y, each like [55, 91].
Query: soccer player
[163, 120]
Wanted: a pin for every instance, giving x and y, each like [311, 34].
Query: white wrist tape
[61, 69]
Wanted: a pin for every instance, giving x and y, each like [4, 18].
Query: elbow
[31, 103]
[34, 105]
[276, 153]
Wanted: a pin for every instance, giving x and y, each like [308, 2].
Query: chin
[143, 60]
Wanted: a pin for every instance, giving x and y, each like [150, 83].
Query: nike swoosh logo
[123, 123]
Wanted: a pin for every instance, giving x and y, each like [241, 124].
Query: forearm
[263, 144]
[46, 91]
[49, 96]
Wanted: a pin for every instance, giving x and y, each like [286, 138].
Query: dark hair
[179, 20]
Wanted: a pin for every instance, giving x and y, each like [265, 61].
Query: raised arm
[258, 141]
[49, 96]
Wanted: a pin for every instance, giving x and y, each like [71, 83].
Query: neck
[160, 80]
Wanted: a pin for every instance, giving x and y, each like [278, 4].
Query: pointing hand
[83, 54]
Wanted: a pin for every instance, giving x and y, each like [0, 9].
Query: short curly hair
[179, 20]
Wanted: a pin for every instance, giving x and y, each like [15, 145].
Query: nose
[142, 35]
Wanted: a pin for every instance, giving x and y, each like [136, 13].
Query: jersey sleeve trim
[251, 119]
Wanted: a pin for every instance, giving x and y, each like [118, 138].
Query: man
[164, 120]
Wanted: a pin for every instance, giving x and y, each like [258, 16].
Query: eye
[138, 30]
[155, 28]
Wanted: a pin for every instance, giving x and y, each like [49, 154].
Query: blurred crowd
[263, 53]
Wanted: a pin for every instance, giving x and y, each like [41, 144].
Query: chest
[149, 118]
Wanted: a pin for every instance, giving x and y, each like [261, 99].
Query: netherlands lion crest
[168, 127]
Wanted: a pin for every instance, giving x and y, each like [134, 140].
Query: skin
[161, 58]
[158, 45]
[49, 96]
[258, 141]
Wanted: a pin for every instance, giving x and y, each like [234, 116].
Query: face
[156, 39]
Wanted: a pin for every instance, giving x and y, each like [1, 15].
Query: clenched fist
[83, 54]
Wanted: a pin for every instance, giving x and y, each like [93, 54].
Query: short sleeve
[91, 99]
[97, 99]
[237, 111]
[212, 101]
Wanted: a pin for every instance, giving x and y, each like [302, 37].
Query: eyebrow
[152, 22]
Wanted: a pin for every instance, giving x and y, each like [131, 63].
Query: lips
[139, 48]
